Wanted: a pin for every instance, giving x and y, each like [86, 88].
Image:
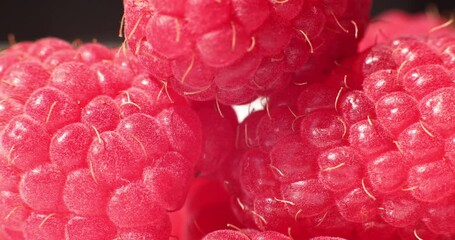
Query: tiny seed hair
[297, 214]
[398, 147]
[140, 144]
[92, 172]
[426, 130]
[50, 112]
[188, 69]
[11, 212]
[277, 170]
[218, 108]
[128, 101]
[234, 36]
[284, 201]
[409, 189]
[444, 25]
[252, 45]
[333, 168]
[416, 235]
[323, 218]
[241, 204]
[356, 29]
[10, 152]
[345, 81]
[366, 190]
[338, 22]
[290, 233]
[246, 136]
[307, 40]
[233, 227]
[198, 91]
[177, 30]
[300, 84]
[45, 220]
[399, 70]
[260, 217]
[338, 98]
[369, 120]
[122, 27]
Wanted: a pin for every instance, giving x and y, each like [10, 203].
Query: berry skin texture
[226, 234]
[373, 143]
[26, 141]
[192, 43]
[82, 195]
[41, 189]
[133, 206]
[42, 226]
[93, 228]
[91, 145]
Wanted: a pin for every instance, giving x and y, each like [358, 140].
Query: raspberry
[159, 231]
[373, 143]
[401, 210]
[69, 146]
[13, 211]
[82, 195]
[92, 146]
[41, 189]
[307, 197]
[218, 132]
[26, 142]
[101, 113]
[341, 168]
[169, 180]
[395, 23]
[226, 234]
[52, 108]
[75, 79]
[207, 209]
[387, 172]
[22, 78]
[39, 226]
[95, 228]
[192, 44]
[133, 206]
[439, 217]
[438, 110]
[293, 159]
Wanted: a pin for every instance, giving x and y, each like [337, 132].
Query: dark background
[100, 19]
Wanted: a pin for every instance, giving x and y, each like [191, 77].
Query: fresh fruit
[248, 234]
[394, 23]
[219, 125]
[369, 150]
[92, 147]
[234, 50]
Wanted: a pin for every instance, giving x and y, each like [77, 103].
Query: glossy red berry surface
[371, 148]
[92, 147]
[235, 50]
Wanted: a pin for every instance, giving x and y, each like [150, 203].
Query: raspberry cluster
[140, 142]
[367, 154]
[92, 147]
[234, 50]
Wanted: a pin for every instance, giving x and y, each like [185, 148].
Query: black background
[100, 19]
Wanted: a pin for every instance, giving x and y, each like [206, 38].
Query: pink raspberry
[234, 50]
[371, 149]
[395, 23]
[92, 146]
